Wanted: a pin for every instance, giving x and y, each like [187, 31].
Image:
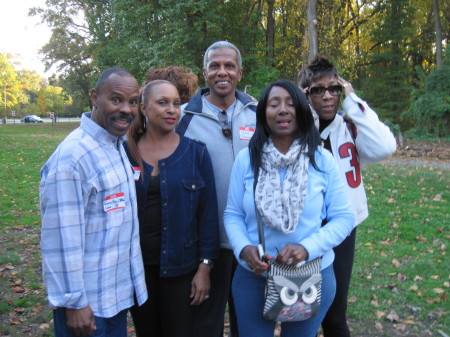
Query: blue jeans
[115, 326]
[248, 294]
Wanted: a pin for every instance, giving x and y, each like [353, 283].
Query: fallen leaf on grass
[435, 277]
[37, 308]
[19, 310]
[392, 317]
[380, 314]
[400, 327]
[7, 266]
[45, 326]
[437, 299]
[396, 263]
[438, 291]
[15, 321]
[437, 198]
[18, 289]
[413, 308]
[421, 239]
[414, 288]
[379, 326]
[409, 322]
[418, 278]
[437, 314]
[401, 277]
[352, 299]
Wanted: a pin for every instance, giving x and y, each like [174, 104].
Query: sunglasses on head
[334, 90]
[223, 119]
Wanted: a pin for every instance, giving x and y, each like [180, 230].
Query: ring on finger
[206, 297]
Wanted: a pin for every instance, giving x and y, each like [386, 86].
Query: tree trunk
[438, 27]
[270, 37]
[312, 29]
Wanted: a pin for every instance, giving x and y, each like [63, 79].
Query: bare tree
[312, 29]
[270, 37]
[438, 27]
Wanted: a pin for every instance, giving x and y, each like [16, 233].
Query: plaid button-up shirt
[90, 233]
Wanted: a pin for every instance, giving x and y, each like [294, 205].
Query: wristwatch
[207, 261]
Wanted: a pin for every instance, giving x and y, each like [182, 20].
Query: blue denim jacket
[189, 227]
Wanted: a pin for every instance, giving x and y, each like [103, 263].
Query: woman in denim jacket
[177, 208]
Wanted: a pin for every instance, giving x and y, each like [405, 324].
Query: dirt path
[435, 154]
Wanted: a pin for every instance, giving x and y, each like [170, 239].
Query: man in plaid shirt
[92, 263]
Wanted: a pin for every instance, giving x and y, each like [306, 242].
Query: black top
[150, 230]
[322, 125]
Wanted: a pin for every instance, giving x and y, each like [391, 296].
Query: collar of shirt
[208, 106]
[97, 132]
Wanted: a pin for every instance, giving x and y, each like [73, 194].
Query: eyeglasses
[334, 90]
[223, 119]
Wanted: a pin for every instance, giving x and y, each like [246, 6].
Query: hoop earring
[145, 122]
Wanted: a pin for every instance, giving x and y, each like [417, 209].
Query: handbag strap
[262, 241]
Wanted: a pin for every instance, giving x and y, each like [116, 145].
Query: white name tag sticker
[136, 173]
[246, 133]
[113, 202]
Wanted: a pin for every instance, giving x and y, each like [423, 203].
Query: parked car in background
[32, 119]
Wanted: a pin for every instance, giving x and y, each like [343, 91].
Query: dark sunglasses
[223, 119]
[334, 90]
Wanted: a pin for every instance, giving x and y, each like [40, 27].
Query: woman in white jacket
[354, 138]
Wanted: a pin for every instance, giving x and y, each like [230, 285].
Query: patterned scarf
[281, 205]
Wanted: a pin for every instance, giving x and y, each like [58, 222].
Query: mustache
[127, 117]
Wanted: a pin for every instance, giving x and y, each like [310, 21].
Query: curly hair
[184, 80]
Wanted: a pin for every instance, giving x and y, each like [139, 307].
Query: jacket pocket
[193, 184]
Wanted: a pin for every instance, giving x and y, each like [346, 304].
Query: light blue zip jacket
[326, 198]
[198, 124]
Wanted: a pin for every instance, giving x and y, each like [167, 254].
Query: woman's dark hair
[307, 131]
[319, 67]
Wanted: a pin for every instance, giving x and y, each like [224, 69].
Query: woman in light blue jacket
[298, 186]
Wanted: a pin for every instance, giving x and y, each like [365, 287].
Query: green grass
[24, 149]
[401, 265]
[401, 262]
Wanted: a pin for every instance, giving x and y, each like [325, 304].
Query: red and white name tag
[136, 173]
[246, 133]
[114, 201]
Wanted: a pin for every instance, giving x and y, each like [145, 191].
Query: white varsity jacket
[365, 140]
